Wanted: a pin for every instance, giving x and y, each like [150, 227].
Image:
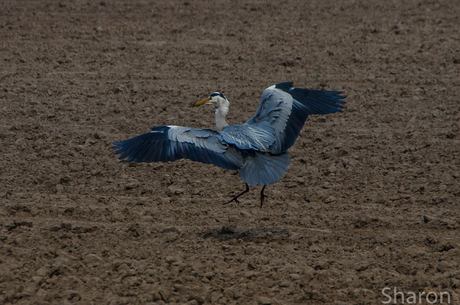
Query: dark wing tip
[118, 146]
[319, 101]
[284, 86]
[309, 96]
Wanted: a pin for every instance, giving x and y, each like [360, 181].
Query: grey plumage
[258, 147]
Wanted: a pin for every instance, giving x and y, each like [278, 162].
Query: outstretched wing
[254, 137]
[169, 143]
[286, 108]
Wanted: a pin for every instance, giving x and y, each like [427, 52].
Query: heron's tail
[264, 168]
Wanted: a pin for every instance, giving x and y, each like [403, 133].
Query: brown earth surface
[371, 199]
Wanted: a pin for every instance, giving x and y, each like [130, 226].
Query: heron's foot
[236, 197]
[233, 199]
[262, 196]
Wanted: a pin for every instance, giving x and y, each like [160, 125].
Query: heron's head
[214, 98]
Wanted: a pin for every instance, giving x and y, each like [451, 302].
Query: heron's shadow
[228, 232]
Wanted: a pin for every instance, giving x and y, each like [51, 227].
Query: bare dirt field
[371, 200]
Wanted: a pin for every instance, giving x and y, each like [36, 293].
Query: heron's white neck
[221, 113]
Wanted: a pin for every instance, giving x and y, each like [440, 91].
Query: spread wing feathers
[286, 110]
[245, 136]
[169, 143]
[316, 101]
[264, 168]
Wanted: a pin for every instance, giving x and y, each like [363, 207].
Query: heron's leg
[262, 196]
[236, 197]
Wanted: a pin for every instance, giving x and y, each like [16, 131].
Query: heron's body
[258, 148]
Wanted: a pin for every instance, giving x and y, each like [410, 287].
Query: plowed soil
[371, 199]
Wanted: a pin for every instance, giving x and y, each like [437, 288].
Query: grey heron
[258, 148]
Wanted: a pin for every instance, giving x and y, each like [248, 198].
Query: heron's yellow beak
[202, 102]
